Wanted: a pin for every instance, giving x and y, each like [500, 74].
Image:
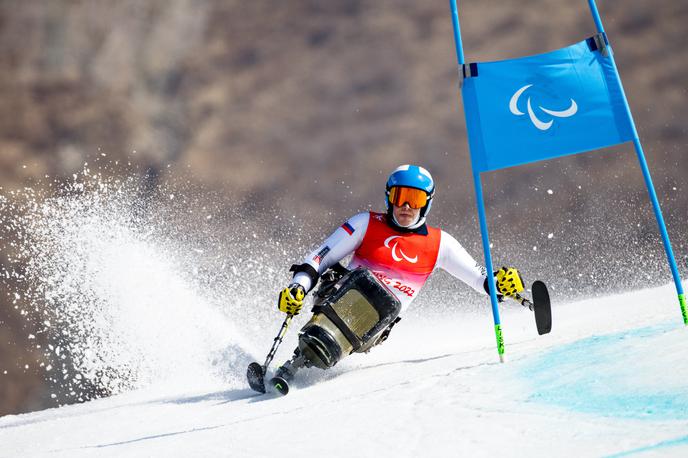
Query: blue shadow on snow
[609, 375]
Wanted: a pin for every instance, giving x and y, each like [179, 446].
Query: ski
[542, 307]
[256, 380]
[279, 385]
[256, 377]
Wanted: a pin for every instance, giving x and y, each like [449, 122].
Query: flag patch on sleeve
[348, 228]
[321, 254]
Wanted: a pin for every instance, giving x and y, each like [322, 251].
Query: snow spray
[134, 285]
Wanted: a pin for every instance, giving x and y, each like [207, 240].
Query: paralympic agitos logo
[537, 122]
[394, 249]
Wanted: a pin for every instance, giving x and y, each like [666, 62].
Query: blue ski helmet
[412, 176]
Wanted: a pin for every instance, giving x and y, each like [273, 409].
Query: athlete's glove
[291, 299]
[509, 281]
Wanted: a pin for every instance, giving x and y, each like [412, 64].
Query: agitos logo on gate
[542, 125]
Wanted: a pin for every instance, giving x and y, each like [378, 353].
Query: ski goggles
[400, 195]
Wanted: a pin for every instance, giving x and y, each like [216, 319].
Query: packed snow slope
[610, 380]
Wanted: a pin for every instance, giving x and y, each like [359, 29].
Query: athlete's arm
[455, 259]
[343, 241]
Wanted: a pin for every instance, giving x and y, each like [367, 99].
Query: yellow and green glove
[291, 299]
[509, 281]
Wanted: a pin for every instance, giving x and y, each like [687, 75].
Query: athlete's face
[405, 215]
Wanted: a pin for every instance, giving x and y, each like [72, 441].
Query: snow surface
[610, 380]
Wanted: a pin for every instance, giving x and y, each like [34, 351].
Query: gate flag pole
[505, 133]
[648, 179]
[477, 184]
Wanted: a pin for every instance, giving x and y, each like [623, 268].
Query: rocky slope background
[301, 108]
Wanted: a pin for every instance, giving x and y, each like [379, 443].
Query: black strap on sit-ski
[334, 318]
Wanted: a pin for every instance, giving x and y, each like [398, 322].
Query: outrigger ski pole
[255, 372]
[540, 306]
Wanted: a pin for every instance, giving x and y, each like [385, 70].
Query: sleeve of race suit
[455, 259]
[343, 241]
